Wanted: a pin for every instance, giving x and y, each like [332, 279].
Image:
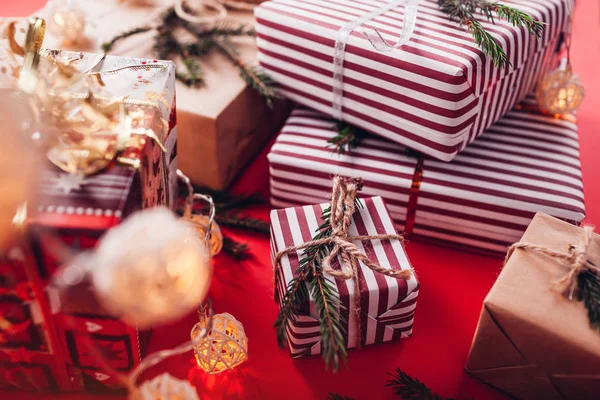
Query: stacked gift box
[460, 153]
[57, 338]
[435, 99]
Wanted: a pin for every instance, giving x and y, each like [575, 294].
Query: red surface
[453, 285]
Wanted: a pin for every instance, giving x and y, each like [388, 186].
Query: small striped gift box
[435, 94]
[483, 200]
[387, 304]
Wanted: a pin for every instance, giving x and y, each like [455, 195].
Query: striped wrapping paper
[435, 94]
[483, 200]
[387, 304]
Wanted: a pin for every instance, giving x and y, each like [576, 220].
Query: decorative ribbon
[343, 206]
[96, 109]
[576, 259]
[374, 37]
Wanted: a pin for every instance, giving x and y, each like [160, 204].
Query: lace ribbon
[374, 37]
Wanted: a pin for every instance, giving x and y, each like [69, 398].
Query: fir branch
[326, 299]
[328, 306]
[463, 12]
[255, 77]
[588, 285]
[347, 139]
[166, 45]
[335, 396]
[237, 250]
[410, 388]
[226, 28]
[108, 46]
[518, 18]
[246, 223]
[295, 296]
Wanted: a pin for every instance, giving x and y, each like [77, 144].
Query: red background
[453, 286]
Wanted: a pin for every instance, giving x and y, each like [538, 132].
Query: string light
[205, 226]
[561, 92]
[151, 269]
[164, 387]
[224, 345]
[67, 21]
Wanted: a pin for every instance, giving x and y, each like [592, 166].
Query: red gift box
[62, 339]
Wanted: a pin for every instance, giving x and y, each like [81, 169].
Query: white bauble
[151, 269]
[165, 387]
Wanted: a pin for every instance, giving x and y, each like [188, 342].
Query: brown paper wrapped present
[533, 342]
[221, 126]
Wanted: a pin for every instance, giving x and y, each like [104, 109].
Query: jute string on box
[343, 206]
[576, 259]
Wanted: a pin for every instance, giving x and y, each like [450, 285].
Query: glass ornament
[560, 92]
[66, 21]
[151, 269]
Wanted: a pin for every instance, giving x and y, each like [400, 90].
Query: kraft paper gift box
[481, 201]
[435, 94]
[387, 304]
[222, 125]
[531, 341]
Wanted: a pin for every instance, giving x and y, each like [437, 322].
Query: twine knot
[576, 259]
[343, 207]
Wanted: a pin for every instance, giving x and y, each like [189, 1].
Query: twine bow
[576, 259]
[343, 206]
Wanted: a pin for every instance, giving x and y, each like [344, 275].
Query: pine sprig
[310, 277]
[463, 12]
[588, 285]
[347, 139]
[246, 223]
[407, 387]
[254, 76]
[237, 250]
[108, 46]
[167, 45]
[335, 396]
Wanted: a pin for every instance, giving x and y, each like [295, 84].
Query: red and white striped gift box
[483, 200]
[387, 304]
[435, 94]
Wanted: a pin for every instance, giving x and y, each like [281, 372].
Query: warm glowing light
[224, 347]
[67, 23]
[200, 224]
[560, 92]
[165, 387]
[147, 271]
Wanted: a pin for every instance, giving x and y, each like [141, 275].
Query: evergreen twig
[588, 291]
[310, 277]
[237, 250]
[247, 223]
[347, 139]
[463, 12]
[335, 396]
[407, 387]
[166, 44]
[108, 46]
[254, 76]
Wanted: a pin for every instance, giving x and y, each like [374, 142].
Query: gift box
[70, 211]
[29, 356]
[223, 124]
[532, 341]
[387, 304]
[481, 201]
[434, 94]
